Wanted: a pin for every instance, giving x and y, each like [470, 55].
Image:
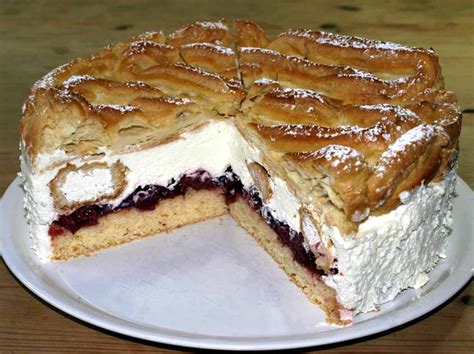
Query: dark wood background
[36, 36]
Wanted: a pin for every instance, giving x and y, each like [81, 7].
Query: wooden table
[36, 37]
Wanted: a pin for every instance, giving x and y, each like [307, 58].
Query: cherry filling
[84, 216]
[289, 237]
[147, 197]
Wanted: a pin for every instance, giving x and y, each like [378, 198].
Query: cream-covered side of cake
[395, 251]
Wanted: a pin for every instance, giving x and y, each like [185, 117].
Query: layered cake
[336, 153]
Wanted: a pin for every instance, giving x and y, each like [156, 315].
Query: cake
[337, 154]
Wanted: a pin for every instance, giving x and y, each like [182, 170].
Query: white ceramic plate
[210, 286]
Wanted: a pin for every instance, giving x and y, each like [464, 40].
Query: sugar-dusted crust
[348, 122]
[131, 224]
[312, 285]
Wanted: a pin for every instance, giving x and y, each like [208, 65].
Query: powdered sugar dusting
[199, 71]
[77, 79]
[265, 81]
[418, 135]
[379, 132]
[212, 25]
[203, 24]
[259, 50]
[360, 43]
[298, 93]
[345, 41]
[351, 72]
[217, 48]
[296, 60]
[297, 63]
[139, 47]
[179, 101]
[401, 112]
[122, 109]
[231, 84]
[339, 154]
[49, 79]
[150, 34]
[305, 33]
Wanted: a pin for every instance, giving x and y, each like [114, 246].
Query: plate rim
[451, 285]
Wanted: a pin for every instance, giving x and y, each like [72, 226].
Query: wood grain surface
[38, 36]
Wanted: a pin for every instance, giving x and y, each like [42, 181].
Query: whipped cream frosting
[389, 253]
[394, 251]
